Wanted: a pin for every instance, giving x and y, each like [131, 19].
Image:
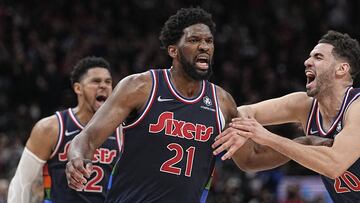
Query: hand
[75, 172]
[250, 128]
[228, 140]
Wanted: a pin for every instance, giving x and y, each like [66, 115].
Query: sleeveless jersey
[346, 188]
[167, 155]
[55, 183]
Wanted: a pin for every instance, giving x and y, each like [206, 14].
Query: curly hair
[82, 66]
[185, 17]
[345, 47]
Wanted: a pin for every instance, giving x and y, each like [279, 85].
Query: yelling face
[196, 49]
[94, 88]
[320, 69]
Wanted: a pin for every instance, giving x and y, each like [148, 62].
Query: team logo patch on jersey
[339, 127]
[207, 101]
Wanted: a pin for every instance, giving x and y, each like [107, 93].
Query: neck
[83, 114]
[330, 101]
[185, 85]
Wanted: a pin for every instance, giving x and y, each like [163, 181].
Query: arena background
[260, 49]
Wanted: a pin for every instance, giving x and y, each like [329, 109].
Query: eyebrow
[99, 78]
[316, 54]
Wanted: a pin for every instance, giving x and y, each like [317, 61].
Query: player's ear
[77, 88]
[172, 50]
[343, 69]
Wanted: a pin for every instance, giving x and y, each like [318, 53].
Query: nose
[307, 62]
[103, 85]
[204, 45]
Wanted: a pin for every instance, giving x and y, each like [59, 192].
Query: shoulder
[134, 90]
[353, 111]
[223, 95]
[43, 137]
[137, 80]
[140, 77]
[227, 103]
[46, 125]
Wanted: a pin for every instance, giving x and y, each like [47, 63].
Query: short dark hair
[345, 47]
[185, 17]
[84, 64]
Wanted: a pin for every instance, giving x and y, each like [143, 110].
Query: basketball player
[330, 108]
[171, 119]
[47, 146]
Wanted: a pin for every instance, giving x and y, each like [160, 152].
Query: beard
[312, 93]
[323, 82]
[191, 70]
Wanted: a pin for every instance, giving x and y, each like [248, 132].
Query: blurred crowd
[259, 53]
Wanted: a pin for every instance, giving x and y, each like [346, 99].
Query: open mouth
[101, 98]
[202, 62]
[310, 77]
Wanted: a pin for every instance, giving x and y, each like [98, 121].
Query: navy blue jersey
[167, 155]
[346, 188]
[55, 184]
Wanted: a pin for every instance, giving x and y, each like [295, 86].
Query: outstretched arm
[291, 108]
[130, 95]
[255, 157]
[340, 156]
[251, 156]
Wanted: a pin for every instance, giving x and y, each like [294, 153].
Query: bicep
[289, 108]
[43, 137]
[227, 105]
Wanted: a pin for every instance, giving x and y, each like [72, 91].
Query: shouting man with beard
[170, 118]
[330, 108]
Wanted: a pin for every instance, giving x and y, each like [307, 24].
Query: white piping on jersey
[310, 118]
[337, 118]
[220, 120]
[73, 117]
[351, 101]
[120, 138]
[177, 95]
[60, 135]
[152, 95]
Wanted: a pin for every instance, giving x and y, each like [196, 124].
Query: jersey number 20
[350, 180]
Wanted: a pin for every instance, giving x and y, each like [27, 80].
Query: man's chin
[97, 106]
[311, 93]
[203, 74]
